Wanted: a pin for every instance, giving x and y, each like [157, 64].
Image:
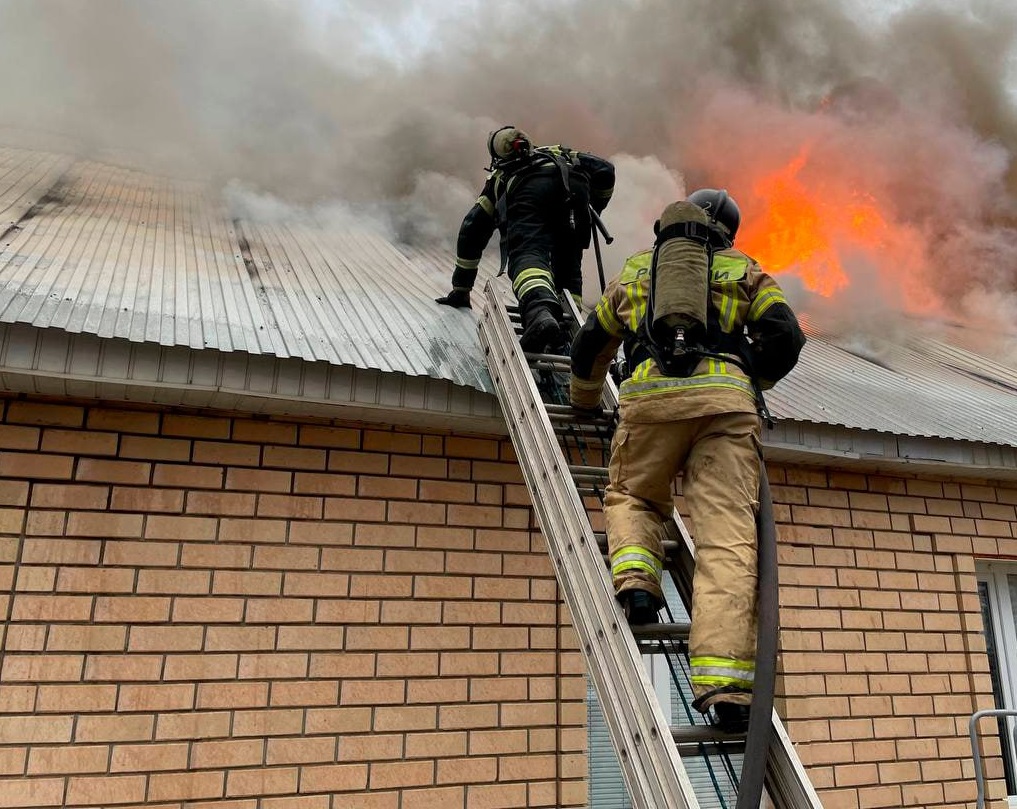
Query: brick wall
[883, 656]
[251, 613]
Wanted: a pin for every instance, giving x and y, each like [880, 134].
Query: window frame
[1003, 615]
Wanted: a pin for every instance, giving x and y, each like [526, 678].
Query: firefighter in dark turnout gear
[701, 422]
[539, 198]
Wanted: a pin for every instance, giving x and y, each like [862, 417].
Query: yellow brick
[185, 786]
[79, 442]
[105, 790]
[145, 758]
[109, 471]
[26, 438]
[30, 412]
[69, 760]
[465, 717]
[195, 426]
[329, 437]
[36, 465]
[155, 449]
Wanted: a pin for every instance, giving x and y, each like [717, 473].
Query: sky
[903, 113]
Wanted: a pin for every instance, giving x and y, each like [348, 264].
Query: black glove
[596, 410]
[458, 298]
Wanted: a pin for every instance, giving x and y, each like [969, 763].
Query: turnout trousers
[542, 252]
[718, 456]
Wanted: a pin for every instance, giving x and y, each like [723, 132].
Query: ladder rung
[556, 367]
[555, 359]
[699, 749]
[598, 425]
[698, 734]
[589, 472]
[571, 417]
[670, 546]
[658, 632]
[569, 410]
[588, 432]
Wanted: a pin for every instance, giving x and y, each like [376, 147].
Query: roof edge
[51, 362]
[869, 451]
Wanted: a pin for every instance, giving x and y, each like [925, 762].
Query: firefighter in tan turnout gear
[704, 331]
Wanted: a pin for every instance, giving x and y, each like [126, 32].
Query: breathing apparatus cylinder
[680, 277]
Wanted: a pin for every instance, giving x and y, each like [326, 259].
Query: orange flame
[805, 228]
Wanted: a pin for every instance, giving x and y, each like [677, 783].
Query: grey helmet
[722, 210]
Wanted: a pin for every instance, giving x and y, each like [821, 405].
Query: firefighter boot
[731, 718]
[731, 706]
[542, 331]
[640, 607]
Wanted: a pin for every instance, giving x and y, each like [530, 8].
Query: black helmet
[507, 145]
[722, 210]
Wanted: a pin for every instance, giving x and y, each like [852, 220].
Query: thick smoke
[382, 108]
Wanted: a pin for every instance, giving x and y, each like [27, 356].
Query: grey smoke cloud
[383, 108]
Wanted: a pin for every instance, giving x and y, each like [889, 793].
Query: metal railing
[976, 754]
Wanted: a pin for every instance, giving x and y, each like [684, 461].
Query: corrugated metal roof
[25, 178]
[115, 253]
[101, 250]
[905, 391]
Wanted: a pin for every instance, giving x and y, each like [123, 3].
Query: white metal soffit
[90, 248]
[98, 250]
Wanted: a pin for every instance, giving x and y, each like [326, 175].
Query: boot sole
[542, 336]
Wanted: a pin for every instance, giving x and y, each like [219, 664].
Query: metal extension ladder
[564, 455]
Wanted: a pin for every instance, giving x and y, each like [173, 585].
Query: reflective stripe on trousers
[717, 672]
[634, 557]
[533, 278]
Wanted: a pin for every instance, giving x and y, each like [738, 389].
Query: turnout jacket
[751, 327]
[591, 183]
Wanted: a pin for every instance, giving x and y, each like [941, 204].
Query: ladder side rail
[649, 759]
[786, 779]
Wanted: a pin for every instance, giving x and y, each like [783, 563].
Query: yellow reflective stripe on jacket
[642, 371]
[486, 204]
[633, 291]
[726, 273]
[532, 278]
[634, 557]
[608, 319]
[721, 671]
[764, 300]
[728, 308]
[632, 387]
[467, 263]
